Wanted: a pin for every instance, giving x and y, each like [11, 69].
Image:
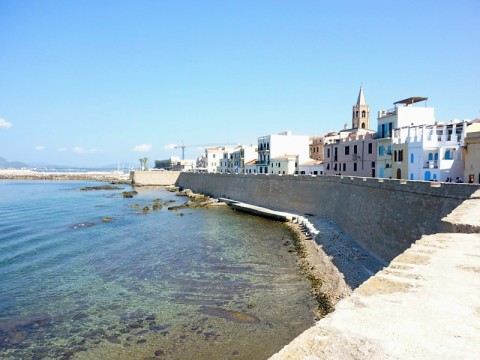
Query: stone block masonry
[154, 178]
[384, 216]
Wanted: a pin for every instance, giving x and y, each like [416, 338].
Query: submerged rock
[101, 187]
[129, 194]
[237, 316]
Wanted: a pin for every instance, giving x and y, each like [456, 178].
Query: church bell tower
[361, 112]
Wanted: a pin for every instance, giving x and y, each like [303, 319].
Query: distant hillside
[4, 163]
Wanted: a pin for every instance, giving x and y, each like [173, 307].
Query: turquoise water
[188, 284]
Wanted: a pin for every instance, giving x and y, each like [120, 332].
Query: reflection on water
[209, 284]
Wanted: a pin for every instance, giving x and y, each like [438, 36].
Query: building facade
[471, 152]
[352, 151]
[316, 148]
[429, 152]
[404, 114]
[278, 145]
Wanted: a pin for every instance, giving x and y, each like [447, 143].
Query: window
[380, 150]
[328, 166]
[355, 149]
[363, 113]
[412, 158]
[373, 164]
[354, 166]
[328, 153]
[395, 155]
[370, 148]
[344, 167]
[400, 155]
[347, 150]
[335, 167]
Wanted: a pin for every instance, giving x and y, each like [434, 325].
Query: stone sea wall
[384, 216]
[154, 178]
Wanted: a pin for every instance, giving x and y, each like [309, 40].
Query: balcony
[385, 113]
[432, 164]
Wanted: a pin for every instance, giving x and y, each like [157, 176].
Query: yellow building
[472, 154]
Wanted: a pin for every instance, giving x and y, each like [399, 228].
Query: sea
[89, 274]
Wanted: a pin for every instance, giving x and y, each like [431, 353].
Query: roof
[475, 127]
[411, 100]
[285, 156]
[313, 162]
[251, 162]
[361, 97]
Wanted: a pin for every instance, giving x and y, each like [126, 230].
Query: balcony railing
[432, 164]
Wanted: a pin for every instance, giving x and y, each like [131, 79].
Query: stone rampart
[154, 178]
[384, 216]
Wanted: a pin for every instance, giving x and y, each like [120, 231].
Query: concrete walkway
[424, 305]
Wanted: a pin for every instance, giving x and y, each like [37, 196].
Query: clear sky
[91, 83]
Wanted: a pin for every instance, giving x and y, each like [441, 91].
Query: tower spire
[361, 97]
[361, 112]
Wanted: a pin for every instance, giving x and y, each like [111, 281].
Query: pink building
[352, 151]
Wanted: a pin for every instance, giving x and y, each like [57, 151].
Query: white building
[242, 155]
[429, 152]
[217, 157]
[229, 159]
[251, 167]
[404, 114]
[278, 146]
[313, 167]
[284, 165]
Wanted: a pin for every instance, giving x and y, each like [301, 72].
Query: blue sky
[91, 83]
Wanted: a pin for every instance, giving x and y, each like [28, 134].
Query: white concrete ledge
[424, 305]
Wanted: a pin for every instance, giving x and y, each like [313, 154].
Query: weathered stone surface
[429, 310]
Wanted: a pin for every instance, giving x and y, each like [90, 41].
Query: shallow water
[189, 284]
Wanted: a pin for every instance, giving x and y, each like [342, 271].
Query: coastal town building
[279, 146]
[174, 163]
[217, 159]
[316, 148]
[242, 155]
[229, 159]
[251, 167]
[352, 151]
[284, 165]
[429, 152]
[313, 167]
[404, 114]
[471, 151]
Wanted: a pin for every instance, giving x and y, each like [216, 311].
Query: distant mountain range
[4, 163]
